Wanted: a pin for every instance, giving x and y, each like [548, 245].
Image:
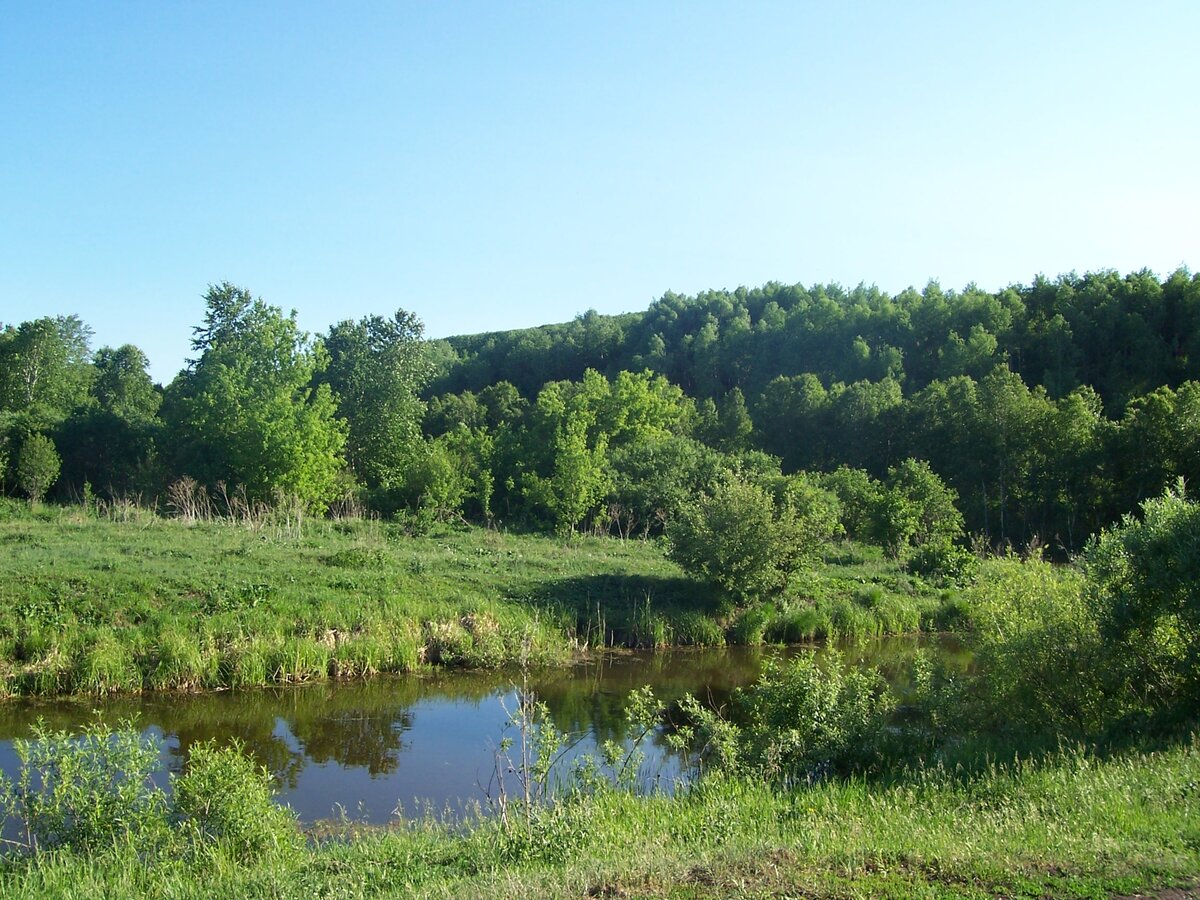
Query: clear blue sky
[497, 165]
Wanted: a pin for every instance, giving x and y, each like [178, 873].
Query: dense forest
[1037, 413]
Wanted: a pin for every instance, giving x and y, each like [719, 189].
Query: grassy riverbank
[1074, 825]
[97, 605]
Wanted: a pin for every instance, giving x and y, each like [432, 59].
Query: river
[371, 751]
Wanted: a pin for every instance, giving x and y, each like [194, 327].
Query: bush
[1038, 646]
[943, 562]
[94, 793]
[915, 509]
[1144, 588]
[747, 543]
[223, 800]
[87, 792]
[37, 466]
[800, 721]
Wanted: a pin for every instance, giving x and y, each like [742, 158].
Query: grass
[1071, 825]
[108, 605]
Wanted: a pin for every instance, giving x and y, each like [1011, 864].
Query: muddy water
[376, 749]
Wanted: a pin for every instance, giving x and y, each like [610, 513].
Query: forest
[1036, 414]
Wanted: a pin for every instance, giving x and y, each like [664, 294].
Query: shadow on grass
[629, 610]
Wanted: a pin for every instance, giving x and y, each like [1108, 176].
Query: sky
[502, 165]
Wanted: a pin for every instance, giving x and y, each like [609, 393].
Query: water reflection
[368, 748]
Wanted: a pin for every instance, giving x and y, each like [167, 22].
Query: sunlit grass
[1071, 825]
[93, 605]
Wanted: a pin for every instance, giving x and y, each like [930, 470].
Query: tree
[727, 427]
[111, 442]
[653, 480]
[747, 543]
[37, 466]
[246, 411]
[44, 369]
[376, 368]
[123, 385]
[916, 509]
[1143, 578]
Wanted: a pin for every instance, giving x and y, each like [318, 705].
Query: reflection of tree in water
[363, 725]
[354, 738]
[595, 697]
[353, 725]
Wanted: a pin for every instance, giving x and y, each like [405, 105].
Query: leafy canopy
[247, 412]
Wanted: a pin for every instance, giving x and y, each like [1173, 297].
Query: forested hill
[1040, 412]
[1121, 335]
[1050, 409]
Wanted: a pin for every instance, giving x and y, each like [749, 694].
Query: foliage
[37, 466]
[799, 722]
[123, 386]
[376, 367]
[246, 411]
[224, 800]
[654, 480]
[1144, 588]
[44, 370]
[915, 509]
[747, 543]
[1037, 640]
[858, 497]
[87, 792]
[94, 793]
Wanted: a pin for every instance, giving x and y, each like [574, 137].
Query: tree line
[1037, 413]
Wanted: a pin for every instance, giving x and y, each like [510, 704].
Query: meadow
[121, 600]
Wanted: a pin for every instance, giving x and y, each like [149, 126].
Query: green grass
[1072, 825]
[94, 605]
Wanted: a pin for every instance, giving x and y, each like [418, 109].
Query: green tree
[111, 442]
[728, 427]
[246, 411]
[1144, 585]
[376, 368]
[747, 543]
[44, 369]
[123, 385]
[915, 509]
[37, 466]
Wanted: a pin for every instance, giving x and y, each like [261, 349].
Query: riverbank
[95, 605]
[1074, 825]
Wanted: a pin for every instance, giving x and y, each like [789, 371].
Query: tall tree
[376, 368]
[44, 369]
[246, 411]
[111, 443]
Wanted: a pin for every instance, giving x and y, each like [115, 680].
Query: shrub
[37, 466]
[800, 721]
[223, 800]
[1144, 588]
[87, 792]
[94, 793]
[747, 543]
[1038, 646]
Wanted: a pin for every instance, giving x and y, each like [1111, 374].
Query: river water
[370, 751]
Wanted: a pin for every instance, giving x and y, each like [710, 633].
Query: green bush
[1037, 645]
[223, 800]
[746, 542]
[1144, 589]
[800, 721]
[87, 792]
[37, 466]
[943, 562]
[94, 793]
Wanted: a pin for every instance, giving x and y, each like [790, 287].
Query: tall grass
[1073, 824]
[92, 603]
